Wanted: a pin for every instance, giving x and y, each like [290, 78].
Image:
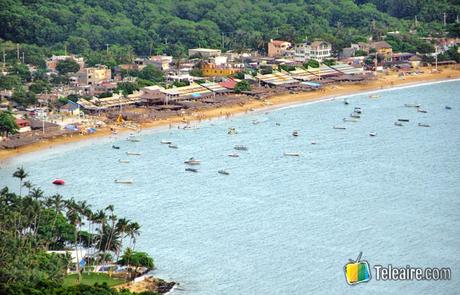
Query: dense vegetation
[32, 223]
[166, 26]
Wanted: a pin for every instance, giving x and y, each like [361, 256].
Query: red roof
[229, 84]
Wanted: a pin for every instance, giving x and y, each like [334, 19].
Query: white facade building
[317, 50]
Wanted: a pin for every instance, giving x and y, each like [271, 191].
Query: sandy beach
[383, 81]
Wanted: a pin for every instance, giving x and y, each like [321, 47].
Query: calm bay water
[277, 224]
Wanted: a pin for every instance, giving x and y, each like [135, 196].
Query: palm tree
[57, 202]
[21, 174]
[122, 227]
[99, 218]
[133, 232]
[28, 185]
[36, 194]
[73, 215]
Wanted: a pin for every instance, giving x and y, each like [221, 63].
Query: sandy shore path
[384, 81]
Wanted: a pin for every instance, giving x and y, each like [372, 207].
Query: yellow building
[211, 70]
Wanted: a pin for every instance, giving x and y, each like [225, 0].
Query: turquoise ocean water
[277, 224]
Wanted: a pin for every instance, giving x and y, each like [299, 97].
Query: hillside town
[159, 86]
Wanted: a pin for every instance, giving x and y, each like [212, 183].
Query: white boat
[133, 154]
[234, 155]
[123, 161]
[350, 120]
[374, 96]
[411, 105]
[421, 110]
[398, 124]
[295, 133]
[124, 181]
[355, 115]
[173, 146]
[292, 154]
[133, 139]
[313, 142]
[223, 172]
[165, 142]
[192, 161]
[372, 134]
[358, 110]
[232, 131]
[424, 125]
[339, 127]
[255, 122]
[240, 148]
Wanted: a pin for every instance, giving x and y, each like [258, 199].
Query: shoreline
[330, 92]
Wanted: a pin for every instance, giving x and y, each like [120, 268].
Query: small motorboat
[165, 142]
[313, 142]
[255, 122]
[124, 181]
[191, 170]
[123, 161]
[355, 115]
[232, 131]
[411, 105]
[240, 148]
[295, 133]
[234, 155]
[292, 154]
[448, 107]
[277, 124]
[59, 182]
[345, 101]
[398, 124]
[133, 154]
[223, 172]
[374, 96]
[339, 127]
[372, 134]
[173, 146]
[115, 147]
[424, 125]
[133, 139]
[403, 120]
[358, 110]
[421, 110]
[350, 120]
[192, 161]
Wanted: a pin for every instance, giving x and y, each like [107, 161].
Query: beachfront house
[381, 47]
[318, 50]
[278, 48]
[94, 75]
[222, 70]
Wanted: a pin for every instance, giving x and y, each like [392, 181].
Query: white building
[317, 50]
[204, 52]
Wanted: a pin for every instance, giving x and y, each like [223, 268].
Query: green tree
[20, 174]
[40, 86]
[137, 259]
[67, 66]
[311, 64]
[10, 82]
[151, 73]
[8, 123]
[242, 86]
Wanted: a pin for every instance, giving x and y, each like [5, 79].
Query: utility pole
[445, 18]
[23, 59]
[222, 34]
[17, 52]
[457, 19]
[65, 49]
[436, 57]
[416, 22]
[166, 41]
[107, 48]
[4, 59]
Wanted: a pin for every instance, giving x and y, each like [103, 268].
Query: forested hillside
[171, 26]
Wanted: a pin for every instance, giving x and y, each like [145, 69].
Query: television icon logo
[357, 271]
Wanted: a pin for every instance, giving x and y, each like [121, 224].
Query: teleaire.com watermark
[358, 271]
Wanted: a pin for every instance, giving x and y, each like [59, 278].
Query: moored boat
[358, 110]
[59, 182]
[133, 139]
[133, 154]
[398, 124]
[173, 146]
[411, 105]
[448, 107]
[232, 131]
[345, 101]
[292, 154]
[192, 161]
[350, 120]
[372, 134]
[374, 96]
[424, 125]
[124, 181]
[240, 148]
[223, 172]
[339, 127]
[191, 170]
[421, 110]
[403, 120]
[355, 115]
[115, 147]
[165, 142]
[234, 155]
[295, 133]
